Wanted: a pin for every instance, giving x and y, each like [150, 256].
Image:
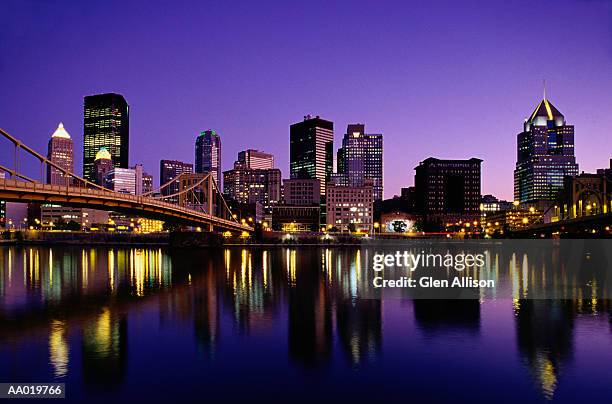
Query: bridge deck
[20, 191]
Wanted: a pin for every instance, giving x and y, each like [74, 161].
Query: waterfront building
[350, 208]
[121, 180]
[490, 203]
[397, 221]
[311, 149]
[168, 171]
[246, 185]
[56, 217]
[497, 223]
[60, 151]
[255, 159]
[448, 190]
[105, 124]
[103, 163]
[208, 155]
[149, 225]
[361, 158]
[545, 155]
[295, 218]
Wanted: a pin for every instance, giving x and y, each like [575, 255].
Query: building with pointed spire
[545, 155]
[61, 152]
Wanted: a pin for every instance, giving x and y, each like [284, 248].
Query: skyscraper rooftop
[61, 132]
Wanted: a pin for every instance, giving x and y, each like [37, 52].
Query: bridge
[197, 202]
[596, 226]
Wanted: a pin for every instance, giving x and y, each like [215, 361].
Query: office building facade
[208, 155]
[245, 185]
[448, 190]
[302, 192]
[105, 124]
[122, 180]
[61, 152]
[311, 149]
[361, 158]
[168, 171]
[350, 208]
[545, 155]
[256, 159]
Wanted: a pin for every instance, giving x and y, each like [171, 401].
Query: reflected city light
[58, 348]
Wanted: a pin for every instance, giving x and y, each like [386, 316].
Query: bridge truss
[196, 202]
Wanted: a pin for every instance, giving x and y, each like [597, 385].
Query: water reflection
[94, 309]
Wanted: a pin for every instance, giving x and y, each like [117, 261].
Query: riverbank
[174, 239]
[37, 237]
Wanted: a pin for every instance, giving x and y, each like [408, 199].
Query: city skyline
[386, 91]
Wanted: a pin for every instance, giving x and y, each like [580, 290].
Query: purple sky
[448, 79]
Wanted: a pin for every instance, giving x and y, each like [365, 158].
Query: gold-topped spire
[61, 132]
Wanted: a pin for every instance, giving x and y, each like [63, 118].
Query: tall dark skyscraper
[448, 190]
[361, 158]
[61, 152]
[105, 124]
[169, 170]
[311, 153]
[208, 155]
[545, 155]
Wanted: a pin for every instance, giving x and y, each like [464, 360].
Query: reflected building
[310, 314]
[104, 350]
[359, 325]
[438, 314]
[545, 331]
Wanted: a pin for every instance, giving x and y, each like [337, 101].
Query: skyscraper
[105, 124]
[169, 170]
[311, 152]
[545, 155]
[256, 159]
[361, 158]
[61, 152]
[208, 155]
